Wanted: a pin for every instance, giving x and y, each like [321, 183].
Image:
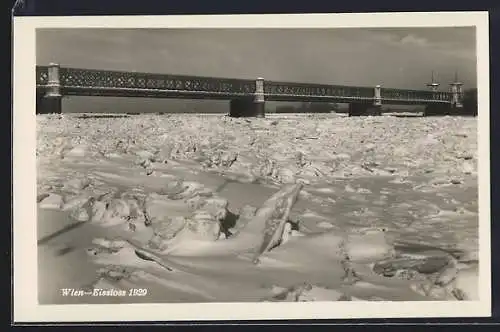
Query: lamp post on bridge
[434, 86]
[432, 109]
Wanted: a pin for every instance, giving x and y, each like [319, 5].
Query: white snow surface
[368, 208]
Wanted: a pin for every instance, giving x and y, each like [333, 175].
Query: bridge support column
[457, 98]
[377, 99]
[48, 105]
[438, 109]
[242, 107]
[250, 107]
[457, 94]
[361, 109]
[447, 109]
[50, 100]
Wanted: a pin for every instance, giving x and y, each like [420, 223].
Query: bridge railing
[73, 79]
[415, 95]
[276, 89]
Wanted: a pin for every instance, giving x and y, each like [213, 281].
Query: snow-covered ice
[199, 208]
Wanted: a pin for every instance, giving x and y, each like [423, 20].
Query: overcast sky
[400, 58]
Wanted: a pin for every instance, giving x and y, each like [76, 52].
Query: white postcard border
[26, 308]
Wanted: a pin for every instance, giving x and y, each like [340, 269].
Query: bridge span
[247, 97]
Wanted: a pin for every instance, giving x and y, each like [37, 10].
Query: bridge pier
[365, 109]
[438, 110]
[250, 106]
[50, 100]
[48, 105]
[245, 107]
[362, 109]
[441, 110]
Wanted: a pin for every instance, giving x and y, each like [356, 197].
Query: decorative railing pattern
[102, 79]
[316, 90]
[399, 94]
[42, 75]
[104, 82]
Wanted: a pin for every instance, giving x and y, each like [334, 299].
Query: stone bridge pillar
[377, 96]
[250, 106]
[437, 109]
[259, 99]
[367, 108]
[358, 109]
[364, 109]
[457, 95]
[50, 99]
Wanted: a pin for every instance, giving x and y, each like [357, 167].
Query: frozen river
[177, 206]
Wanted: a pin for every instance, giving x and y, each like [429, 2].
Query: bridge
[247, 97]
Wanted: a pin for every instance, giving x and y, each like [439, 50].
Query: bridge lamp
[433, 85]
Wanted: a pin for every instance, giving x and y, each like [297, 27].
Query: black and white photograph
[254, 164]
